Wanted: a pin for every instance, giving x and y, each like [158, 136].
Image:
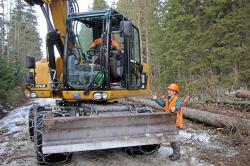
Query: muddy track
[200, 146]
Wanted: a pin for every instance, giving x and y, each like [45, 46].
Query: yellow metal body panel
[59, 68]
[41, 87]
[145, 68]
[115, 94]
[58, 12]
[42, 74]
[47, 1]
[42, 78]
[42, 94]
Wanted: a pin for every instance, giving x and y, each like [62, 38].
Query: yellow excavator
[87, 83]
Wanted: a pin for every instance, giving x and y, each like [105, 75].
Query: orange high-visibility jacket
[179, 117]
[99, 42]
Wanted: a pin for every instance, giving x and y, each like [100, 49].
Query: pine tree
[142, 14]
[3, 28]
[205, 44]
[99, 4]
[23, 37]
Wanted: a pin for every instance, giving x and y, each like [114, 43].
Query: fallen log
[229, 102]
[238, 105]
[206, 117]
[243, 94]
[217, 120]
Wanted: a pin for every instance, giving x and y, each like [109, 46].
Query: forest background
[203, 45]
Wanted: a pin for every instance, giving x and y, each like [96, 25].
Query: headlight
[27, 94]
[104, 95]
[32, 94]
[100, 96]
[97, 96]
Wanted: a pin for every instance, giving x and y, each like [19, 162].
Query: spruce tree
[99, 5]
[23, 37]
[204, 44]
[143, 14]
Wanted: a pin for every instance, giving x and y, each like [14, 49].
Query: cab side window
[135, 46]
[135, 60]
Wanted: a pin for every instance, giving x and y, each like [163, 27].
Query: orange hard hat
[174, 87]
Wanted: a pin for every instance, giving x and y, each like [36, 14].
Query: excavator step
[72, 134]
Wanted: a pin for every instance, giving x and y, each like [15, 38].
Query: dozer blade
[72, 134]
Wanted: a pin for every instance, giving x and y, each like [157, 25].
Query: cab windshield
[83, 61]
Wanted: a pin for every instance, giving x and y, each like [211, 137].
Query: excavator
[89, 86]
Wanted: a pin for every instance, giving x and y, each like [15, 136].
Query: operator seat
[116, 66]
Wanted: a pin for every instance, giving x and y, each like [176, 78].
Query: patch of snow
[44, 102]
[203, 137]
[197, 161]
[184, 135]
[18, 117]
[3, 147]
[231, 152]
[15, 120]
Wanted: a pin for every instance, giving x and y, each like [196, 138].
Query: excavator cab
[93, 62]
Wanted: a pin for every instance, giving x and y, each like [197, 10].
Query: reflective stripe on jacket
[172, 103]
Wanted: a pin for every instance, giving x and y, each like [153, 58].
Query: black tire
[56, 158]
[144, 149]
[31, 123]
[149, 149]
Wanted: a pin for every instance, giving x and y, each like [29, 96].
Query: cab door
[135, 65]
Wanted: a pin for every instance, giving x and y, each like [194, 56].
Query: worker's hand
[172, 109]
[154, 97]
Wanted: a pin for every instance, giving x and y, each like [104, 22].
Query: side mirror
[126, 28]
[30, 62]
[30, 78]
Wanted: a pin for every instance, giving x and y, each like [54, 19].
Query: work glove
[172, 109]
[154, 96]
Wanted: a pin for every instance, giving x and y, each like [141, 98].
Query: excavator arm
[55, 36]
[58, 13]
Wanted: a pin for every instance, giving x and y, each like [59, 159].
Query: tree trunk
[208, 118]
[238, 105]
[217, 120]
[243, 94]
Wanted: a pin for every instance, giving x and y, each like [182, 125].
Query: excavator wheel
[144, 149]
[31, 123]
[149, 149]
[56, 158]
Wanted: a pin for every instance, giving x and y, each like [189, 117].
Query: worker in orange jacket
[98, 42]
[172, 105]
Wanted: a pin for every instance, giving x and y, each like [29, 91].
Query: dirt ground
[200, 145]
